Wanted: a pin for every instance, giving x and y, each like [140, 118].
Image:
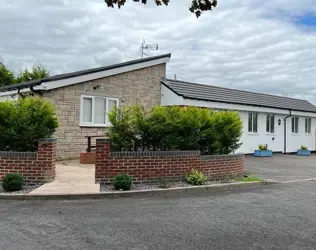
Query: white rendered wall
[250, 141]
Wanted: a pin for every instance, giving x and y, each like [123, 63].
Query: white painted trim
[169, 98]
[83, 125]
[78, 79]
[88, 77]
[92, 124]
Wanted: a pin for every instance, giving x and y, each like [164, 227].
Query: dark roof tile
[226, 95]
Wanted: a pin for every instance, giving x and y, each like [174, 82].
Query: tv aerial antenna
[145, 47]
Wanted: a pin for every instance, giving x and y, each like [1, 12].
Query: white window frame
[308, 126]
[252, 122]
[92, 124]
[268, 129]
[295, 125]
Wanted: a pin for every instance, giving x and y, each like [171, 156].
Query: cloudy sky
[264, 46]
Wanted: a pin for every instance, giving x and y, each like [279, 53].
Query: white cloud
[252, 46]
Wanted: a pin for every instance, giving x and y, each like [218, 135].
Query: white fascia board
[300, 113]
[78, 79]
[101, 74]
[168, 98]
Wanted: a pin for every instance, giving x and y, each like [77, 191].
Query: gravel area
[25, 190]
[109, 188]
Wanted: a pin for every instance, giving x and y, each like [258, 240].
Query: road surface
[268, 217]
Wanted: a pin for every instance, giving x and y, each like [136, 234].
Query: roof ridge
[245, 91]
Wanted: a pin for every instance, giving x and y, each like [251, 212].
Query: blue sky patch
[306, 20]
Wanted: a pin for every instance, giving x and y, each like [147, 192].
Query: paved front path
[269, 217]
[71, 178]
[282, 167]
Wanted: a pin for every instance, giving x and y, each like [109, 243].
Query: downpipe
[285, 130]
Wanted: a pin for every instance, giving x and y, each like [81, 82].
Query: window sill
[251, 133]
[94, 125]
[295, 134]
[271, 134]
[308, 134]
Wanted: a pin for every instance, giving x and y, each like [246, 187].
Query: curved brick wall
[173, 165]
[219, 166]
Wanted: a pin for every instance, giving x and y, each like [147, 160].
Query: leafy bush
[12, 182]
[24, 121]
[174, 128]
[263, 147]
[122, 181]
[303, 147]
[196, 177]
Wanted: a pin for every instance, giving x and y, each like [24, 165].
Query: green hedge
[174, 128]
[24, 121]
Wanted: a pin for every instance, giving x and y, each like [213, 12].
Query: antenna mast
[145, 47]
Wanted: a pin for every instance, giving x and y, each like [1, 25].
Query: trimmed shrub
[303, 147]
[174, 128]
[122, 181]
[196, 177]
[263, 147]
[24, 121]
[12, 182]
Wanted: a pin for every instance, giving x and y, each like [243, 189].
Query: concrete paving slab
[71, 180]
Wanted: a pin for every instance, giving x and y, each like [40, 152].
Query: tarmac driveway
[282, 167]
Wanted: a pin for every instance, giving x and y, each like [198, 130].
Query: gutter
[285, 130]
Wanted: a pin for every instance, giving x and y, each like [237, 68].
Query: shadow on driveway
[281, 167]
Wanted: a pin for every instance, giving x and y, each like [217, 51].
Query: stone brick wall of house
[36, 167]
[139, 86]
[147, 167]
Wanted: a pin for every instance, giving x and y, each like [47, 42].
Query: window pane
[112, 103]
[255, 126]
[99, 110]
[272, 123]
[87, 110]
[268, 123]
[250, 122]
[309, 125]
[306, 125]
[293, 120]
[296, 124]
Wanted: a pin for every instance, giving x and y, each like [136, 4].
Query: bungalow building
[83, 98]
[283, 123]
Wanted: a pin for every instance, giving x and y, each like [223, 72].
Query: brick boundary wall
[36, 167]
[87, 158]
[146, 167]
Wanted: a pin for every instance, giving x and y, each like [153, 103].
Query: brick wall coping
[155, 153]
[18, 154]
[47, 140]
[103, 140]
[218, 157]
[25, 154]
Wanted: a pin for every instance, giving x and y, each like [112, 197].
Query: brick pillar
[47, 159]
[102, 159]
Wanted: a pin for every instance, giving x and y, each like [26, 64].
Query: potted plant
[263, 151]
[303, 151]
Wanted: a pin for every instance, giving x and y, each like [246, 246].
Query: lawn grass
[248, 178]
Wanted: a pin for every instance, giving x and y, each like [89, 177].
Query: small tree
[6, 76]
[121, 131]
[37, 72]
[24, 121]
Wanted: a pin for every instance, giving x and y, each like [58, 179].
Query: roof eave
[236, 103]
